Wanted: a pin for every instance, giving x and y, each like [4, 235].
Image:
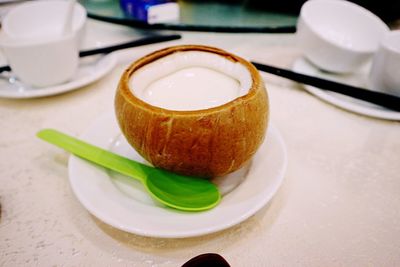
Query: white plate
[123, 203]
[359, 79]
[90, 70]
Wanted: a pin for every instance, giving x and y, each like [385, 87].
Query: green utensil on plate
[173, 190]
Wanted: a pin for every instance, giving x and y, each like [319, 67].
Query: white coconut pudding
[192, 109]
[190, 80]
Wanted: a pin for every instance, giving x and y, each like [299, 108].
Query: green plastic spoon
[176, 191]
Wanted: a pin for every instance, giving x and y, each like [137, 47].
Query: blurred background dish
[384, 74]
[338, 36]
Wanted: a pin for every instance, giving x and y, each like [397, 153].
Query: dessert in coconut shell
[206, 141]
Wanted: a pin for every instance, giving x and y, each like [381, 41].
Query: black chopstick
[5, 68]
[108, 49]
[385, 100]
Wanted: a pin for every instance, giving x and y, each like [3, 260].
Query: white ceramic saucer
[122, 202]
[90, 70]
[359, 79]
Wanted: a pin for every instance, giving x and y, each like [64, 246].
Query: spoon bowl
[176, 191]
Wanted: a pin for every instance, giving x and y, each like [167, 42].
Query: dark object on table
[143, 10]
[207, 260]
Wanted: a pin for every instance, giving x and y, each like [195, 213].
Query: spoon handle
[385, 100]
[95, 154]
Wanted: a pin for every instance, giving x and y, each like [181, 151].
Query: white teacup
[36, 45]
[385, 70]
[42, 18]
[338, 36]
[43, 62]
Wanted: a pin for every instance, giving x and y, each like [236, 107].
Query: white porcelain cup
[42, 18]
[43, 62]
[338, 36]
[36, 46]
[385, 70]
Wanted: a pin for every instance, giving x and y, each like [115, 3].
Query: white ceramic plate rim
[301, 65]
[104, 64]
[88, 181]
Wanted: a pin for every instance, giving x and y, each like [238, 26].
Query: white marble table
[339, 204]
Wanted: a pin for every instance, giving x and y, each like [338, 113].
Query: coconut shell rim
[126, 92]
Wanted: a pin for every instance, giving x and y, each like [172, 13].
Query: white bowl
[337, 35]
[385, 70]
[41, 19]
